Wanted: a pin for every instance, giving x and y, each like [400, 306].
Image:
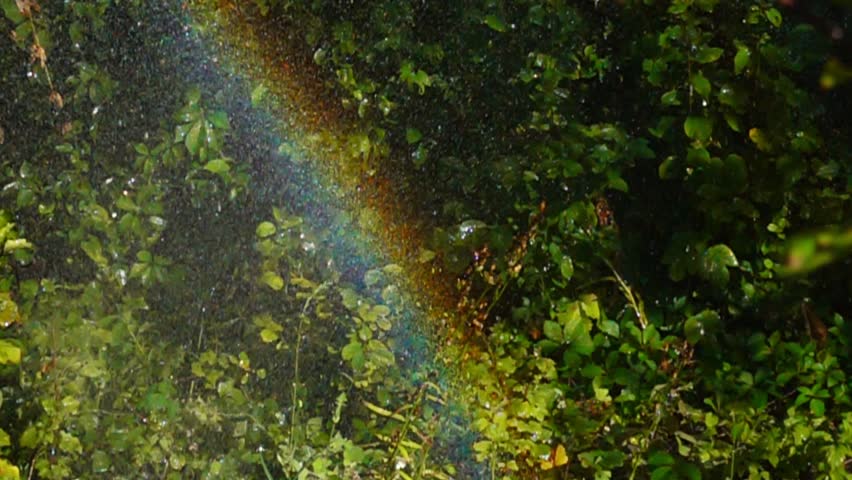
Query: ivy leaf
[698, 128]
[715, 263]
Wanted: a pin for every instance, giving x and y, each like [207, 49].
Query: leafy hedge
[644, 206]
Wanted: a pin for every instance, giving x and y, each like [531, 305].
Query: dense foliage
[645, 206]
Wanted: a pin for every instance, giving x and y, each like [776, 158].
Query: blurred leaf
[219, 165]
[741, 59]
[10, 354]
[272, 280]
[495, 23]
[265, 229]
[708, 54]
[698, 128]
[715, 262]
[701, 84]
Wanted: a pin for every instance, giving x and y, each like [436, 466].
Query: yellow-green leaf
[265, 229]
[9, 471]
[220, 165]
[272, 280]
[10, 354]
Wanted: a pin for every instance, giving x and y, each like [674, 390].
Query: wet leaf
[741, 59]
[412, 135]
[272, 280]
[774, 17]
[698, 326]
[194, 138]
[10, 354]
[698, 128]
[708, 54]
[217, 166]
[258, 94]
[715, 262]
[265, 229]
[495, 23]
[701, 84]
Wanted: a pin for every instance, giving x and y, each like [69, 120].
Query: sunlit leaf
[10, 354]
[272, 280]
[265, 229]
[217, 166]
[715, 262]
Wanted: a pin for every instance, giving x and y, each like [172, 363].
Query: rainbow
[317, 130]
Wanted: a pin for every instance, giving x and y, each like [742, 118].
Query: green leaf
[412, 135]
[258, 94]
[93, 249]
[10, 354]
[689, 471]
[701, 84]
[194, 138]
[670, 98]
[610, 328]
[698, 128]
[566, 267]
[774, 17]
[354, 353]
[10, 9]
[817, 407]
[220, 165]
[741, 59]
[715, 262]
[5, 441]
[16, 244]
[268, 336]
[265, 229]
[219, 119]
[272, 280]
[9, 471]
[708, 54]
[495, 23]
[193, 95]
[698, 326]
[660, 458]
[553, 330]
